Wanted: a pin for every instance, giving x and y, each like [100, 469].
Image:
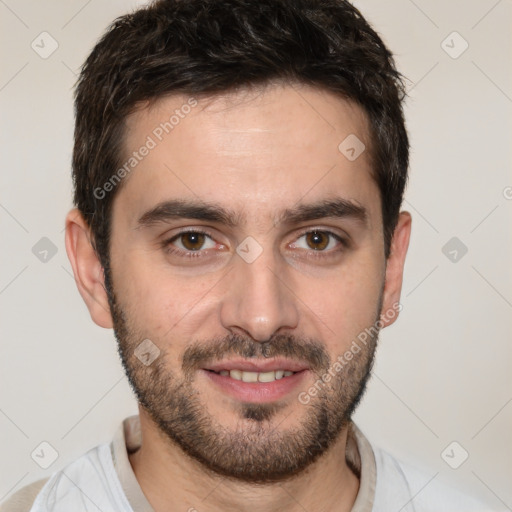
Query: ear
[395, 268]
[87, 269]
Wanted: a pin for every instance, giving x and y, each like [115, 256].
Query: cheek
[160, 304]
[347, 301]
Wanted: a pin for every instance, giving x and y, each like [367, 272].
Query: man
[239, 169]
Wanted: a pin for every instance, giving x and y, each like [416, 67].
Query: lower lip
[257, 392]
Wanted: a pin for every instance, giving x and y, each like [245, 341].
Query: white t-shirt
[103, 480]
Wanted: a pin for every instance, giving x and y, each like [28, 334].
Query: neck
[171, 480]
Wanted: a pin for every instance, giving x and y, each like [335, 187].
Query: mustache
[304, 349]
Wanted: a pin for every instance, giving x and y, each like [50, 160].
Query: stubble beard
[257, 450]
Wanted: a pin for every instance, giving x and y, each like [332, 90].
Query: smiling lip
[266, 365]
[256, 392]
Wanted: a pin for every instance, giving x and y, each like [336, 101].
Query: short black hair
[207, 47]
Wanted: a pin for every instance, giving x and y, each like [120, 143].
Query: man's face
[278, 285]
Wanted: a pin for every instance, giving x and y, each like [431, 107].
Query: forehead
[256, 152]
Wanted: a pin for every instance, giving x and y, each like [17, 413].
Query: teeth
[249, 377]
[235, 374]
[267, 376]
[256, 376]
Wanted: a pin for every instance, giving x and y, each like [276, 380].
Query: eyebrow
[199, 210]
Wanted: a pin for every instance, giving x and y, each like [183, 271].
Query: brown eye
[319, 243]
[317, 240]
[192, 241]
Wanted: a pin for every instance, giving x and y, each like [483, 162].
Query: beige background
[444, 369]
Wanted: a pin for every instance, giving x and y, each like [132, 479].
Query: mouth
[246, 376]
[256, 381]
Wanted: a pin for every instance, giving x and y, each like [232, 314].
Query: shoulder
[23, 499]
[89, 482]
[410, 489]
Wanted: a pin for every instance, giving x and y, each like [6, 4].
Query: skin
[257, 153]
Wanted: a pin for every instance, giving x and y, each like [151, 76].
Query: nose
[258, 300]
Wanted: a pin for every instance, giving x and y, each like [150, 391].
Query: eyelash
[167, 244]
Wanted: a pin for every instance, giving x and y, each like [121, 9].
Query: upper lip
[265, 365]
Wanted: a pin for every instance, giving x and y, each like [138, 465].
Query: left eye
[318, 241]
[193, 241]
